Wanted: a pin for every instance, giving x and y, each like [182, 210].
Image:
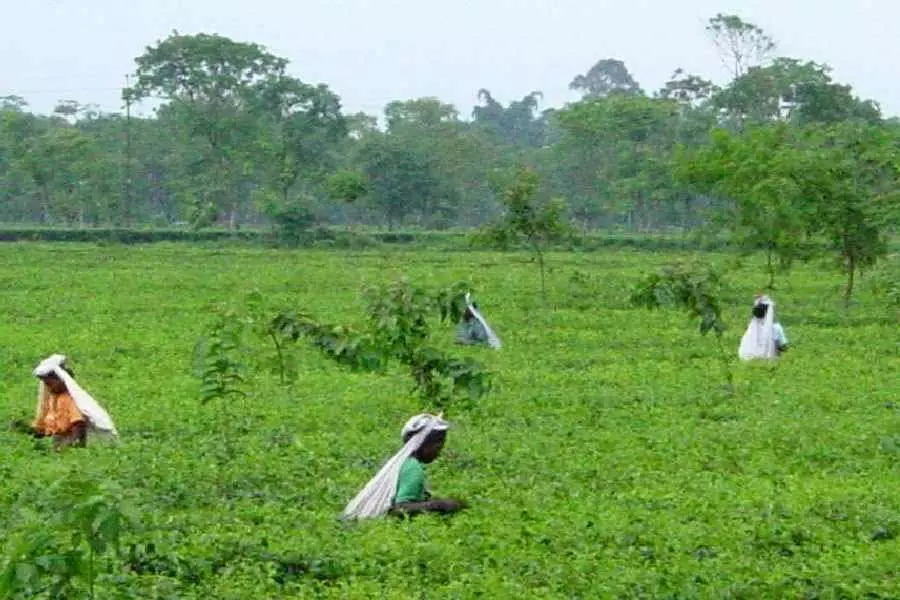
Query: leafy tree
[696, 288]
[741, 44]
[756, 172]
[347, 185]
[59, 161]
[687, 89]
[519, 124]
[209, 84]
[427, 165]
[397, 331]
[402, 178]
[292, 220]
[829, 102]
[527, 218]
[607, 77]
[221, 358]
[849, 170]
[426, 112]
[614, 156]
[56, 552]
[790, 89]
[302, 125]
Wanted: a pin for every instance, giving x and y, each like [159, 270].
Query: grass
[606, 463]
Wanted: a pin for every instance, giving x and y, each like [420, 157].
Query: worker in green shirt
[412, 495]
[399, 487]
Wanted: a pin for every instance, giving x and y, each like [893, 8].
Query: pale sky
[371, 52]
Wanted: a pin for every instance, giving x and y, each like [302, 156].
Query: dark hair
[433, 436]
[760, 310]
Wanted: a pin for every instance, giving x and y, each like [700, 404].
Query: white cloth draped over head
[493, 340]
[759, 339]
[376, 497]
[98, 419]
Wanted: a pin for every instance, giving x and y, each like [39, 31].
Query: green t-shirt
[411, 482]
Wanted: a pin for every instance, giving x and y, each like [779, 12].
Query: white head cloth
[493, 340]
[375, 498]
[759, 339]
[98, 419]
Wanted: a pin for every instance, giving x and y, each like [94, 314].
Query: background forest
[239, 140]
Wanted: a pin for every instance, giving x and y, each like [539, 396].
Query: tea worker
[765, 337]
[474, 330]
[65, 410]
[399, 488]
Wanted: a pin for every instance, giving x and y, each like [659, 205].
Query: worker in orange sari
[65, 411]
[57, 415]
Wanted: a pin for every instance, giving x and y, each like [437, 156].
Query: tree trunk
[851, 276]
[233, 217]
[540, 257]
[45, 203]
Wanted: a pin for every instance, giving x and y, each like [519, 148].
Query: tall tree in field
[518, 124]
[790, 89]
[302, 126]
[615, 152]
[24, 196]
[607, 77]
[208, 82]
[58, 161]
[419, 112]
[528, 218]
[687, 89]
[741, 44]
[830, 102]
[403, 179]
[756, 174]
[850, 171]
[428, 164]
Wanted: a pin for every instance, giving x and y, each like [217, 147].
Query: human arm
[781, 341]
[412, 495]
[441, 506]
[23, 427]
[76, 436]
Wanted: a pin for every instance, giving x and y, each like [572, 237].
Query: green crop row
[338, 238]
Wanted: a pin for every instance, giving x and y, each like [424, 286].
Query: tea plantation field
[606, 463]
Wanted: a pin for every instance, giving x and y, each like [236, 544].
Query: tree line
[779, 153]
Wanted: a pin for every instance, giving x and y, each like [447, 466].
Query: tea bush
[605, 461]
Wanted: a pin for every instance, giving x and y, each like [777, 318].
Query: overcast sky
[374, 51]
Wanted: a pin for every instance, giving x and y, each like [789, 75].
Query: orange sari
[58, 415]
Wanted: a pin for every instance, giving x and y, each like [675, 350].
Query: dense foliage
[604, 463]
[238, 139]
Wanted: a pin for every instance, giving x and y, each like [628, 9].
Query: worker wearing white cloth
[474, 329]
[65, 410]
[765, 337]
[399, 487]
